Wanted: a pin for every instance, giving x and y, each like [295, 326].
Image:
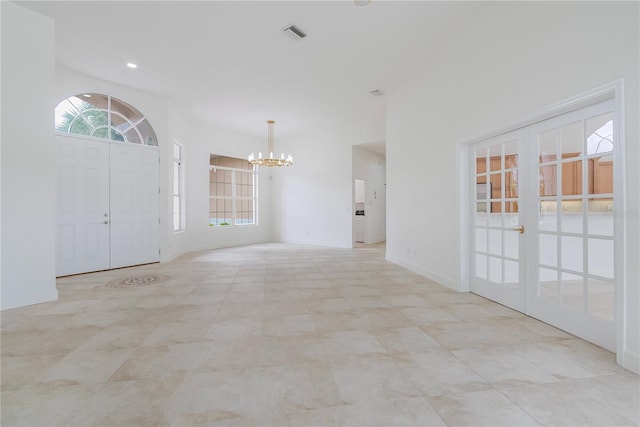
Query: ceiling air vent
[295, 32]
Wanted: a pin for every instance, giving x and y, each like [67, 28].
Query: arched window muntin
[104, 117]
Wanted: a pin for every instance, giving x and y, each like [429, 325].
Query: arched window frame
[81, 109]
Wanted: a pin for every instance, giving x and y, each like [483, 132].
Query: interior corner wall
[28, 201]
[205, 140]
[517, 59]
[371, 168]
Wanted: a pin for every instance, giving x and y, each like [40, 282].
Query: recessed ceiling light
[86, 95]
[131, 65]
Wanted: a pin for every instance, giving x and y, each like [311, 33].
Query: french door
[498, 251]
[107, 205]
[543, 203]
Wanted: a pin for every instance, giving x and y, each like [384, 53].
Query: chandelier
[270, 160]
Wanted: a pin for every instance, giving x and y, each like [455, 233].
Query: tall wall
[521, 57]
[28, 190]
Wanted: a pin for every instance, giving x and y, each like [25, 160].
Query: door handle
[519, 229]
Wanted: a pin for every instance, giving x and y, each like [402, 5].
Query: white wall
[519, 58]
[313, 200]
[371, 168]
[204, 141]
[28, 190]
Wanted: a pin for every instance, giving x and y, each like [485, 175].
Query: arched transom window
[103, 116]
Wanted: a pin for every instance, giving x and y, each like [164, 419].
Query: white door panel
[82, 206]
[134, 205]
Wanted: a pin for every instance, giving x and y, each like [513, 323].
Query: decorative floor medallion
[137, 281]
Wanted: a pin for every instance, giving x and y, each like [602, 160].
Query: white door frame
[613, 90]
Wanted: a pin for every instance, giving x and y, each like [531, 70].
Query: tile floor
[286, 335]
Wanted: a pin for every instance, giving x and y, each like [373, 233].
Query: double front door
[543, 222]
[107, 205]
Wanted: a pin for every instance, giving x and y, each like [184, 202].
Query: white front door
[107, 205]
[82, 224]
[134, 205]
[554, 182]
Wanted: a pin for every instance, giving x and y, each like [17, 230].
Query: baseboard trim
[438, 278]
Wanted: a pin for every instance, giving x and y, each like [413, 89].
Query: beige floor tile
[55, 342]
[503, 368]
[409, 412]
[176, 333]
[564, 404]
[18, 371]
[406, 300]
[619, 392]
[119, 336]
[223, 398]
[363, 303]
[337, 322]
[561, 359]
[350, 342]
[147, 363]
[225, 355]
[333, 416]
[128, 403]
[481, 334]
[428, 315]
[439, 372]
[313, 294]
[236, 328]
[299, 349]
[44, 404]
[408, 339]
[385, 318]
[480, 408]
[372, 377]
[85, 367]
[294, 388]
[328, 306]
[289, 295]
[37, 324]
[285, 326]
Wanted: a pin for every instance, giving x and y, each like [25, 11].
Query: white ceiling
[230, 64]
